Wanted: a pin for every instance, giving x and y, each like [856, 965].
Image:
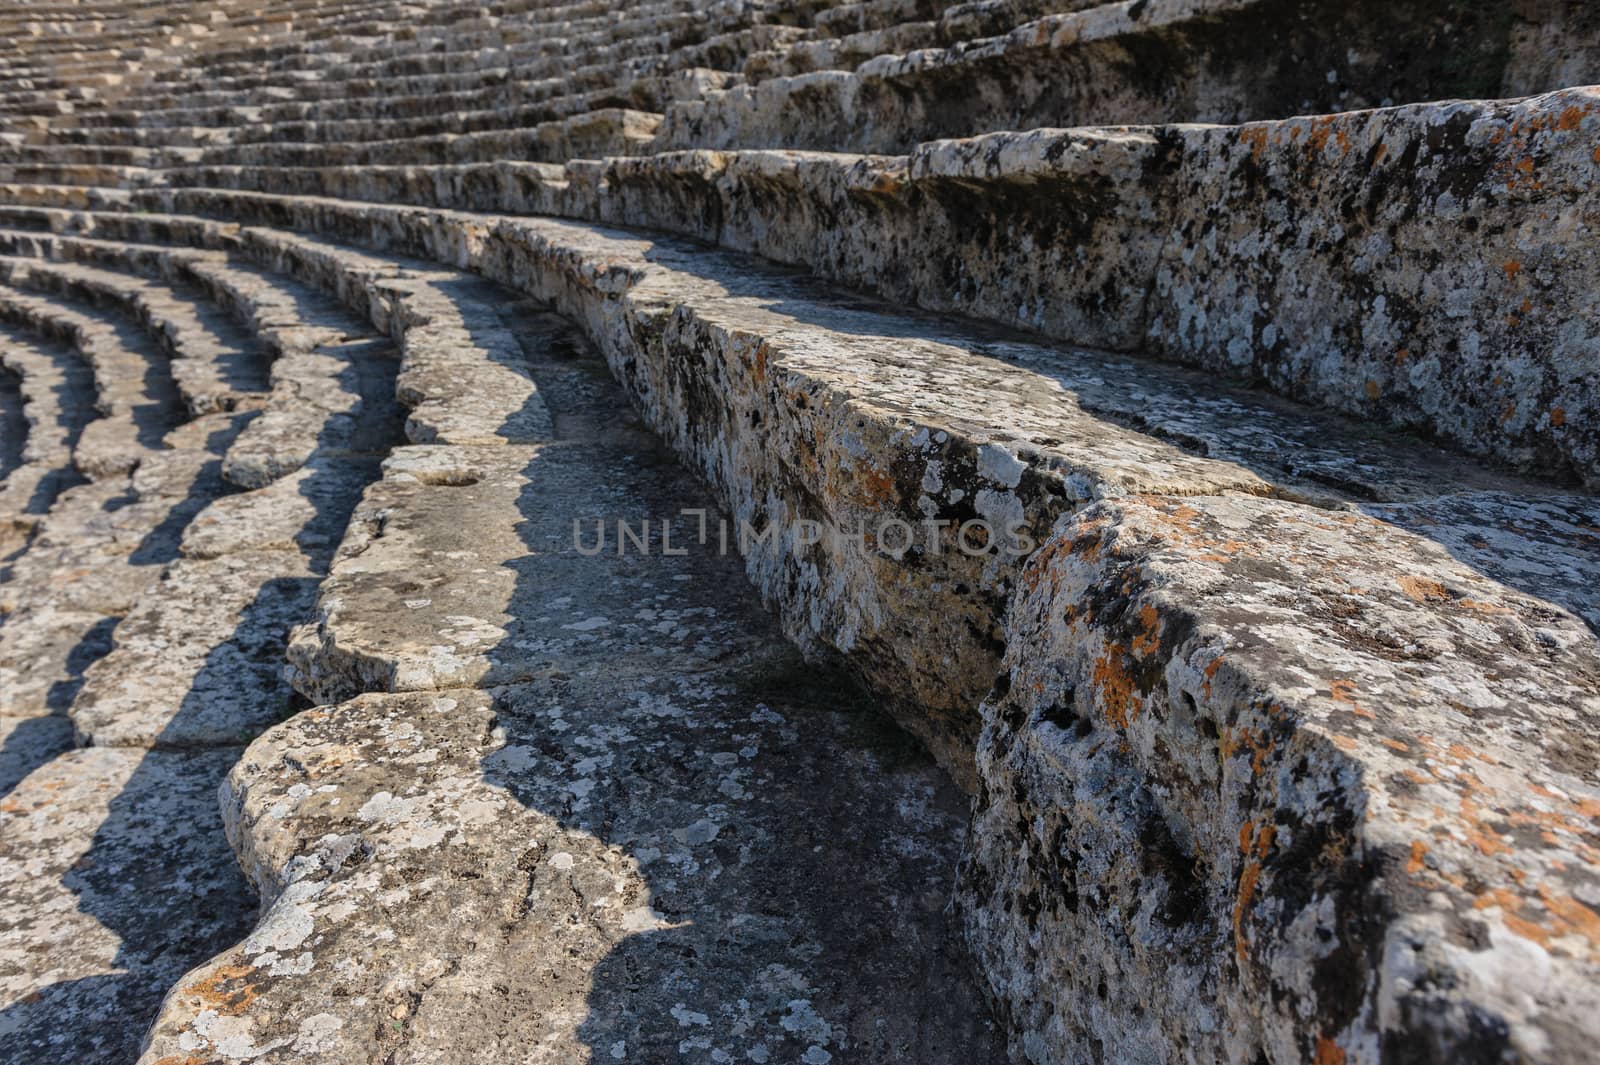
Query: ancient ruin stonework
[800, 531]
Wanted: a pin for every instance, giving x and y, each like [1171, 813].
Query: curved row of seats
[1233, 548]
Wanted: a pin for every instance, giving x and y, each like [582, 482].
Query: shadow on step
[13, 424]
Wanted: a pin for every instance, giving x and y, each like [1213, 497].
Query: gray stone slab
[410, 604]
[1320, 779]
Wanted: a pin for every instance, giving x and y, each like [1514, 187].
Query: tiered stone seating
[148, 614]
[1212, 502]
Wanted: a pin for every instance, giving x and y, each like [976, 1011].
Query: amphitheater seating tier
[800, 531]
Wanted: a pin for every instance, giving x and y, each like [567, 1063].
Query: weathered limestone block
[331, 399]
[1153, 240]
[463, 374]
[136, 401]
[1121, 63]
[410, 604]
[27, 743]
[1327, 787]
[797, 407]
[302, 511]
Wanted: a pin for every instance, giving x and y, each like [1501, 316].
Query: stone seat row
[974, 227]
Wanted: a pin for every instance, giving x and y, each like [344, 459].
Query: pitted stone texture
[468, 875]
[115, 879]
[412, 604]
[199, 660]
[1329, 787]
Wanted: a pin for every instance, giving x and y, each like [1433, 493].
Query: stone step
[91, 557]
[463, 374]
[190, 672]
[13, 424]
[57, 400]
[331, 383]
[85, 957]
[1084, 68]
[608, 131]
[1162, 255]
[1276, 720]
[75, 174]
[796, 403]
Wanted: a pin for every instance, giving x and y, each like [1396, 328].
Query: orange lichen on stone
[1116, 684]
[1373, 389]
[229, 1003]
[1564, 916]
[1418, 859]
[1256, 137]
[877, 487]
[1321, 131]
[1233, 740]
[1558, 417]
[1149, 639]
[1511, 269]
[1329, 1052]
[1253, 844]
[1423, 589]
